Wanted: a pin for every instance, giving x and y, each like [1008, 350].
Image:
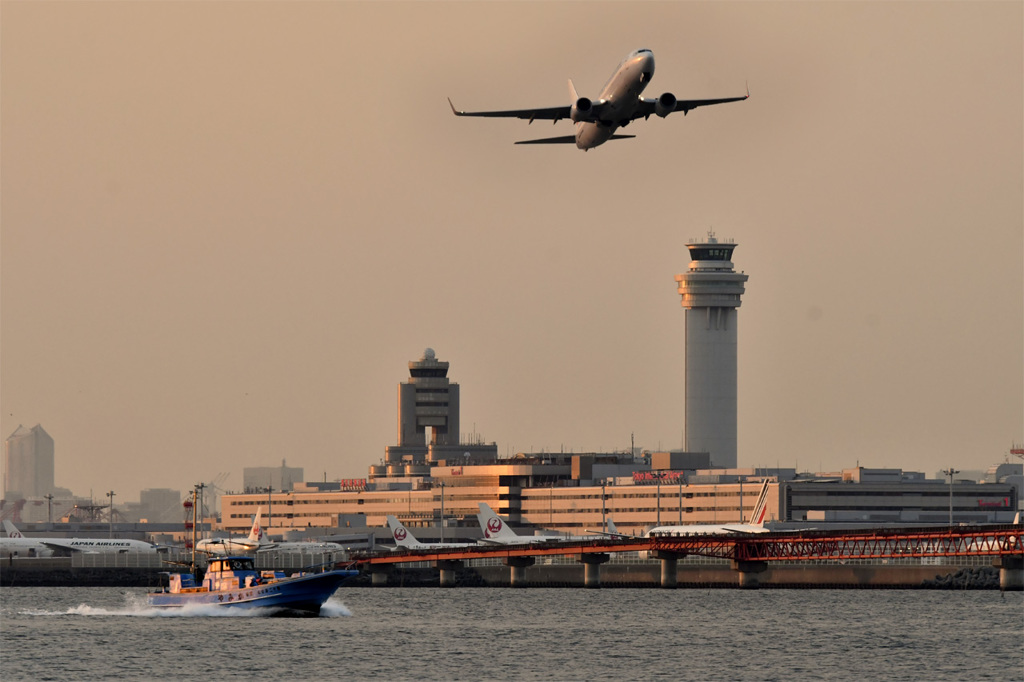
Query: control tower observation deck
[711, 291]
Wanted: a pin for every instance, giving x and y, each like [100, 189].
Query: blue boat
[233, 581]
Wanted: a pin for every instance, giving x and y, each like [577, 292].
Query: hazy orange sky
[227, 228]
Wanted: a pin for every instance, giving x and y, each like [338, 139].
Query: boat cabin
[229, 573]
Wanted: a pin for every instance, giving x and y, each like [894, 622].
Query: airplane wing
[744, 530]
[608, 534]
[647, 106]
[567, 139]
[56, 545]
[544, 114]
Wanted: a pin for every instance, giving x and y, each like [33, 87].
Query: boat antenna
[195, 495]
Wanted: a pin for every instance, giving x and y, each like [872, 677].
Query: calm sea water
[548, 634]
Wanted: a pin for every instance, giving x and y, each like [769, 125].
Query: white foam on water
[136, 606]
[334, 609]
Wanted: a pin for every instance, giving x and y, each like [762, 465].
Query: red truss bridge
[750, 553]
[862, 544]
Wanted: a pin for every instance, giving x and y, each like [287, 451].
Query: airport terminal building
[434, 482]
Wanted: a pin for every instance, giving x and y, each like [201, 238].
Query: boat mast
[195, 493]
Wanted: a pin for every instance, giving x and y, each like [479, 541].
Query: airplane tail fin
[757, 516]
[492, 525]
[12, 531]
[256, 533]
[611, 527]
[401, 534]
[572, 93]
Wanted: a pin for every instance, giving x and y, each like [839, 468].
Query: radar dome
[428, 354]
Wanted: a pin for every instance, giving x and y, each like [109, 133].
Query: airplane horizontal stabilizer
[568, 139]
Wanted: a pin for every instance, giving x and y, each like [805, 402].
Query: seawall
[57, 572]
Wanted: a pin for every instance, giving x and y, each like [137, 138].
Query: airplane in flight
[18, 545]
[498, 532]
[754, 525]
[618, 104]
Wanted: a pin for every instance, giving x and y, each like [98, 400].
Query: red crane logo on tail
[493, 526]
[400, 534]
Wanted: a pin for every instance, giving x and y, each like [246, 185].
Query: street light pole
[442, 512]
[111, 524]
[270, 511]
[604, 524]
[658, 500]
[950, 472]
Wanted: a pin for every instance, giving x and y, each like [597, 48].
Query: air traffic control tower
[711, 291]
[429, 402]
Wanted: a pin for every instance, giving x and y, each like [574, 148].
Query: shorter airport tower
[428, 424]
[711, 291]
[429, 401]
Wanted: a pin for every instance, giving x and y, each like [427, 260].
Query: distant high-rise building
[28, 463]
[160, 505]
[711, 291]
[280, 478]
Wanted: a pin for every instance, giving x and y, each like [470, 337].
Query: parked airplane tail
[493, 526]
[611, 527]
[256, 533]
[401, 534]
[12, 531]
[757, 516]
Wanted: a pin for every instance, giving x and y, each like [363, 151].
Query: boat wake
[136, 607]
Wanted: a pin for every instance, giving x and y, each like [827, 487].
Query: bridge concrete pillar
[379, 575]
[669, 567]
[1011, 573]
[517, 569]
[592, 569]
[447, 568]
[749, 572]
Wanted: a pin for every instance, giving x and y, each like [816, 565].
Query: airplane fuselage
[698, 529]
[619, 99]
[23, 547]
[49, 546]
[226, 546]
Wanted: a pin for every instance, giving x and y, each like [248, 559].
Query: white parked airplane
[405, 540]
[612, 531]
[256, 542]
[250, 543]
[497, 531]
[754, 525]
[619, 104]
[17, 544]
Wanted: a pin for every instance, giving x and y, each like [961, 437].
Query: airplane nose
[646, 67]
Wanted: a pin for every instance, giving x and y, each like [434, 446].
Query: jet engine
[665, 105]
[581, 109]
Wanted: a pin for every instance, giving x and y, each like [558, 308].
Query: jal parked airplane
[497, 531]
[17, 544]
[754, 525]
[619, 104]
[256, 542]
[405, 540]
[250, 543]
